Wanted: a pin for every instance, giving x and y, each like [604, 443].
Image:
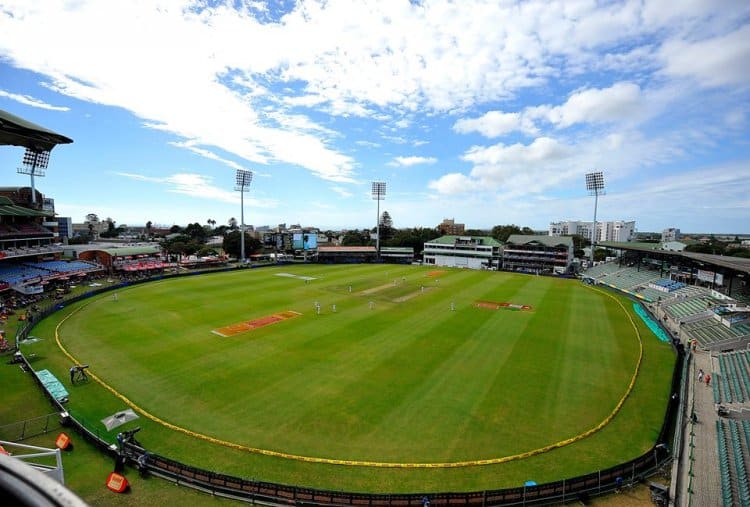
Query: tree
[92, 221]
[579, 243]
[195, 231]
[386, 226]
[149, 226]
[503, 232]
[415, 238]
[474, 232]
[175, 229]
[600, 254]
[233, 247]
[356, 238]
[111, 231]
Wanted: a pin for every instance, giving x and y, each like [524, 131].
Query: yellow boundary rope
[375, 464]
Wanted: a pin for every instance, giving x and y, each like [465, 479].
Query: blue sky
[486, 112]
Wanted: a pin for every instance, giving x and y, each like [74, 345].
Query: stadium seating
[669, 285]
[603, 269]
[733, 380]
[63, 266]
[14, 274]
[629, 278]
[733, 442]
[18, 273]
[685, 308]
[726, 480]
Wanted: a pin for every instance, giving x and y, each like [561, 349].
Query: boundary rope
[364, 463]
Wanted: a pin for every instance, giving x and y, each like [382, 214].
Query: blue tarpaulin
[54, 386]
[651, 323]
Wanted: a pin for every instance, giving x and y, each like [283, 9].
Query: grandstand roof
[451, 239]
[523, 239]
[130, 250]
[325, 249]
[16, 131]
[397, 249]
[739, 264]
[9, 209]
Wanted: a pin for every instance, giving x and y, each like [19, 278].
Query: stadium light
[378, 193]
[244, 178]
[34, 164]
[595, 186]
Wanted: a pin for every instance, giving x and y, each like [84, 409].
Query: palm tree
[149, 226]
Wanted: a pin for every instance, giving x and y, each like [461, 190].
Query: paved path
[706, 484]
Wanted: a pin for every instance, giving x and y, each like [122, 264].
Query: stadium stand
[683, 309]
[35, 272]
[668, 285]
[64, 266]
[708, 331]
[14, 274]
[733, 377]
[603, 269]
[733, 445]
[629, 278]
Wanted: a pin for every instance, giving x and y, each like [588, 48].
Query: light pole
[243, 185]
[595, 186]
[34, 163]
[378, 193]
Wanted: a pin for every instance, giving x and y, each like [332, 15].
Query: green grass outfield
[407, 381]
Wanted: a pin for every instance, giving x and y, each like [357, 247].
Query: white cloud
[367, 144]
[453, 183]
[199, 186]
[616, 103]
[190, 145]
[342, 191]
[717, 61]
[410, 161]
[31, 101]
[495, 124]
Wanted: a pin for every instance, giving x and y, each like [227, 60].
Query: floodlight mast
[595, 186]
[378, 193]
[34, 163]
[244, 178]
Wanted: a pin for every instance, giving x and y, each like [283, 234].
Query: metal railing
[21, 430]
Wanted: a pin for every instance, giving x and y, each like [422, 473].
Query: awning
[16, 131]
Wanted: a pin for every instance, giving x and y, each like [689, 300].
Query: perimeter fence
[578, 488]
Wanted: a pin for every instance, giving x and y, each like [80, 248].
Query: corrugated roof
[736, 263]
[345, 249]
[16, 131]
[396, 249]
[451, 240]
[524, 239]
[130, 250]
[8, 209]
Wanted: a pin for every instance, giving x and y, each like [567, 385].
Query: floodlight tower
[243, 185]
[34, 164]
[595, 186]
[378, 193]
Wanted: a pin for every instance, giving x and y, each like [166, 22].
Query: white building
[474, 252]
[617, 230]
[670, 234]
